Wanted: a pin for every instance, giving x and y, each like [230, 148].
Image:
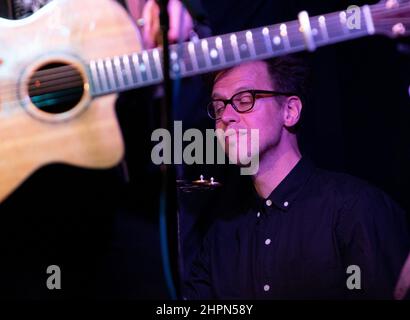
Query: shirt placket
[265, 245]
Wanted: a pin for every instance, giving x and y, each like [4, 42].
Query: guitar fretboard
[121, 73]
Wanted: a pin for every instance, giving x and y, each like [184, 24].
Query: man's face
[266, 116]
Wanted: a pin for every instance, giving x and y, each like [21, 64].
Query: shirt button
[267, 242]
[268, 202]
[258, 214]
[286, 203]
[266, 287]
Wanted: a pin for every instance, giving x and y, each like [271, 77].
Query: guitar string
[45, 72]
[329, 26]
[50, 75]
[66, 72]
[40, 75]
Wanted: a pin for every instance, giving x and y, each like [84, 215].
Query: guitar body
[64, 32]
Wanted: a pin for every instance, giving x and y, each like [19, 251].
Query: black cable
[168, 214]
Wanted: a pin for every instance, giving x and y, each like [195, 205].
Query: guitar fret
[128, 73]
[307, 30]
[268, 42]
[226, 49]
[343, 22]
[158, 65]
[334, 27]
[284, 34]
[219, 47]
[258, 46]
[146, 66]
[103, 77]
[323, 27]
[205, 50]
[142, 67]
[178, 57]
[244, 50]
[175, 66]
[277, 41]
[182, 65]
[111, 80]
[234, 44]
[251, 46]
[94, 77]
[200, 56]
[317, 33]
[153, 66]
[213, 53]
[368, 19]
[185, 59]
[191, 49]
[120, 73]
[136, 67]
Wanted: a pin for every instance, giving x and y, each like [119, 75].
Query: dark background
[101, 227]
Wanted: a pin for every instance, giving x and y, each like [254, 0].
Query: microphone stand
[168, 188]
[169, 217]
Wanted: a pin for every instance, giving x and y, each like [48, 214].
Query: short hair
[290, 73]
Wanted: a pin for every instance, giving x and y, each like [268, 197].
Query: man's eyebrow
[216, 95]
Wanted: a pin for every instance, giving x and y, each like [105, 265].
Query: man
[299, 232]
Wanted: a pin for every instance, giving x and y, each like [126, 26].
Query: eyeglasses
[242, 102]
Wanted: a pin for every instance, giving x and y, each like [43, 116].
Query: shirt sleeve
[372, 234]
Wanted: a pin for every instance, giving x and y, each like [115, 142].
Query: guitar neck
[121, 73]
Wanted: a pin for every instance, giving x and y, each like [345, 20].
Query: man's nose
[229, 115]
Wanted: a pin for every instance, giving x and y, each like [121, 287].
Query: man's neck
[274, 166]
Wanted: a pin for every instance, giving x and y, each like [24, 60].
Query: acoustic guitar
[61, 68]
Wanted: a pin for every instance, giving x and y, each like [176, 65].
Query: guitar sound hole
[56, 88]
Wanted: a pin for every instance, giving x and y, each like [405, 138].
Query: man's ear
[292, 111]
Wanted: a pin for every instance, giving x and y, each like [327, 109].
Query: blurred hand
[403, 285]
[151, 29]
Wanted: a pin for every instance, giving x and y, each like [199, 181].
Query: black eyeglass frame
[252, 92]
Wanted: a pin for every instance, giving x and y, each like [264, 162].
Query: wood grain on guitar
[63, 65]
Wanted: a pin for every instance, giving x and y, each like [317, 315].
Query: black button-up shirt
[299, 242]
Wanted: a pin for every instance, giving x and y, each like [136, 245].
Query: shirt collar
[284, 195]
